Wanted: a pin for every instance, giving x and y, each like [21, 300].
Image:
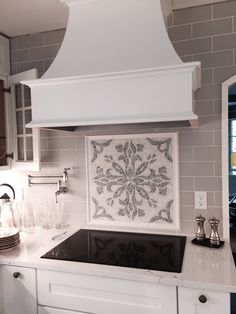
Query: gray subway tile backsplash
[193, 169]
[186, 153]
[20, 55]
[208, 184]
[54, 37]
[223, 42]
[186, 184]
[191, 15]
[207, 153]
[204, 107]
[29, 41]
[224, 9]
[187, 198]
[181, 32]
[196, 139]
[24, 66]
[216, 59]
[187, 213]
[211, 91]
[214, 27]
[210, 123]
[193, 46]
[223, 73]
[207, 76]
[42, 53]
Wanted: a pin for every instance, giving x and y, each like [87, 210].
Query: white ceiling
[18, 17]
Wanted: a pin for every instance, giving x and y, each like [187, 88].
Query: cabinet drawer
[212, 302]
[19, 290]
[101, 295]
[51, 310]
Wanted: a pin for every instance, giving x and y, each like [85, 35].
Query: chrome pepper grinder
[214, 236]
[200, 235]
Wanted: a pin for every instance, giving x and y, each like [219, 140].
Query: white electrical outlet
[201, 200]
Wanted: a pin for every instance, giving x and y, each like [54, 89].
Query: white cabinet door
[104, 295]
[26, 140]
[51, 310]
[19, 290]
[197, 301]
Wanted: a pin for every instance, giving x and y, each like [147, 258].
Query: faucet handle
[65, 175]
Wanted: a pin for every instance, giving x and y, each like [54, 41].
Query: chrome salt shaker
[214, 236]
[200, 235]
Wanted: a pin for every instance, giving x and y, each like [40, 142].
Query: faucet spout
[62, 189]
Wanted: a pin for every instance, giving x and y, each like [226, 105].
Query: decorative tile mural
[133, 180]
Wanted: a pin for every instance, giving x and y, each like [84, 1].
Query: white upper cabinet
[19, 146]
[26, 151]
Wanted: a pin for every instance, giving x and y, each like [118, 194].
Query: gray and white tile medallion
[133, 180]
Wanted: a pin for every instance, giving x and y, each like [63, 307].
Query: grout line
[215, 51]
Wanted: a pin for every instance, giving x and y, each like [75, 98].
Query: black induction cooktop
[135, 250]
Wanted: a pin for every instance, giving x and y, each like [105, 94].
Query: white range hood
[116, 65]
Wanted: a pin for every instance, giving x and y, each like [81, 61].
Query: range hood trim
[192, 118]
[194, 67]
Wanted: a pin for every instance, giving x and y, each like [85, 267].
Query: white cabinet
[25, 141]
[103, 295]
[18, 290]
[51, 310]
[200, 301]
[16, 142]
[70, 293]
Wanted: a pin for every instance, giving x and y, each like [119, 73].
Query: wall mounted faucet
[61, 189]
[52, 180]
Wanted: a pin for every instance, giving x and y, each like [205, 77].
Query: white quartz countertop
[203, 267]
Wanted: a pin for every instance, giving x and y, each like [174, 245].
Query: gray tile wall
[207, 34]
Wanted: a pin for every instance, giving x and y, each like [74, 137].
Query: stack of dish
[9, 238]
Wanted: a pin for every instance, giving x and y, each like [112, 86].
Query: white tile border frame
[176, 188]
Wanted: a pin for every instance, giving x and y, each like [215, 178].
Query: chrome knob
[16, 274]
[202, 298]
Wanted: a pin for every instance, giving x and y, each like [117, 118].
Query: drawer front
[19, 290]
[212, 302]
[101, 295]
[51, 310]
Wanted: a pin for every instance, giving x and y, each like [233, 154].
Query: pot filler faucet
[62, 188]
[59, 180]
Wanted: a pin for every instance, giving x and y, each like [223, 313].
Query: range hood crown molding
[112, 69]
